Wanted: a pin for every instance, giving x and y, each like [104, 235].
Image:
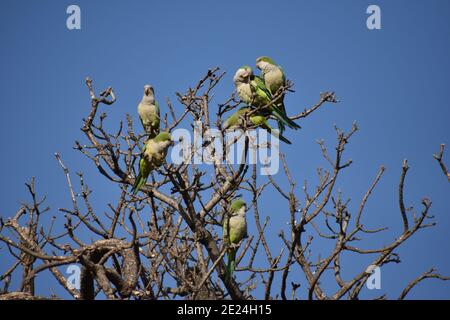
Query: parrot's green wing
[144, 172]
[276, 110]
[261, 90]
[233, 120]
[156, 120]
[226, 241]
[141, 179]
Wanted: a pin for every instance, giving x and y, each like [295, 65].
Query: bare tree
[166, 241]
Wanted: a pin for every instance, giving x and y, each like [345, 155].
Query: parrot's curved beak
[147, 90]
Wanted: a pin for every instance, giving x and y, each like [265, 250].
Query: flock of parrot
[264, 99]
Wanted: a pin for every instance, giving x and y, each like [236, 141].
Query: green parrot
[148, 110]
[152, 157]
[234, 230]
[272, 74]
[257, 120]
[252, 90]
[273, 77]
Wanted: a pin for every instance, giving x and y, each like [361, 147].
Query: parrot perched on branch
[234, 230]
[256, 119]
[152, 157]
[148, 110]
[272, 74]
[273, 77]
[252, 90]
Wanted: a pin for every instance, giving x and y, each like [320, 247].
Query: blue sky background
[394, 82]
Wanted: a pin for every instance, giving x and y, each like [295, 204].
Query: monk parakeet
[152, 157]
[272, 74]
[257, 120]
[273, 77]
[148, 110]
[252, 90]
[234, 230]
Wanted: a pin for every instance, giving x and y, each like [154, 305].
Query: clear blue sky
[394, 82]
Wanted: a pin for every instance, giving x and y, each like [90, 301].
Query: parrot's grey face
[167, 143]
[242, 75]
[238, 207]
[148, 90]
[261, 65]
[149, 94]
[242, 211]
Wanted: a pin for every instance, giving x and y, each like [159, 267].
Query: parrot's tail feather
[140, 181]
[281, 126]
[282, 117]
[278, 135]
[284, 139]
[231, 262]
